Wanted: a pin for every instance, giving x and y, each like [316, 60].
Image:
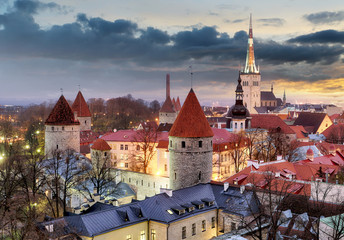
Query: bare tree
[239, 151]
[144, 141]
[101, 176]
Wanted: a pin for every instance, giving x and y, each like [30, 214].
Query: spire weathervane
[61, 89]
[191, 74]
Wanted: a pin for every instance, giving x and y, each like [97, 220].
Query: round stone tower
[190, 146]
[62, 130]
[83, 113]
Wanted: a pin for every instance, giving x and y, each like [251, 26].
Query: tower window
[200, 143]
[62, 128]
[170, 143]
[183, 144]
[199, 175]
[57, 146]
[52, 128]
[85, 121]
[175, 176]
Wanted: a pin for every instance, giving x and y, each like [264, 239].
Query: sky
[111, 48]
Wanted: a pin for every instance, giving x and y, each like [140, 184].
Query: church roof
[270, 122]
[80, 106]
[267, 96]
[191, 121]
[62, 114]
[101, 145]
[167, 106]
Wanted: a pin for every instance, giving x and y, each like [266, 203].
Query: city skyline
[119, 48]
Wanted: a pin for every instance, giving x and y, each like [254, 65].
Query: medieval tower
[62, 130]
[250, 77]
[83, 113]
[190, 146]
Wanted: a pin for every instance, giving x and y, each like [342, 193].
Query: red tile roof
[299, 130]
[270, 122]
[80, 106]
[334, 132]
[62, 114]
[87, 137]
[101, 145]
[311, 121]
[191, 121]
[129, 136]
[167, 106]
[178, 105]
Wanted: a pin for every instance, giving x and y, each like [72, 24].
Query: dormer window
[178, 210]
[208, 201]
[198, 204]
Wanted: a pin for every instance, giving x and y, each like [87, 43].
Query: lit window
[129, 237]
[142, 235]
[203, 226]
[153, 234]
[169, 211]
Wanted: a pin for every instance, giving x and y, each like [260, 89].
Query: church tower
[82, 111]
[190, 146]
[62, 130]
[238, 117]
[250, 76]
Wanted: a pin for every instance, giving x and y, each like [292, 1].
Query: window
[170, 143]
[200, 143]
[105, 154]
[52, 128]
[126, 165]
[122, 147]
[57, 146]
[130, 180]
[193, 229]
[129, 237]
[183, 232]
[175, 176]
[126, 147]
[203, 226]
[199, 175]
[165, 167]
[241, 125]
[137, 147]
[235, 125]
[233, 226]
[50, 228]
[142, 235]
[62, 128]
[213, 222]
[142, 182]
[85, 122]
[153, 234]
[183, 144]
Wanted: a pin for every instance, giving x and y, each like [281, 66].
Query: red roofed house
[301, 133]
[313, 122]
[62, 130]
[190, 146]
[82, 111]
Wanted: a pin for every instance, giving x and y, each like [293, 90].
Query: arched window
[235, 125]
[241, 125]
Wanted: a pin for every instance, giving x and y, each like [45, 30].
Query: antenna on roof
[61, 89]
[191, 74]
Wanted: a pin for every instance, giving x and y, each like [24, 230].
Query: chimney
[242, 189]
[167, 191]
[167, 85]
[225, 186]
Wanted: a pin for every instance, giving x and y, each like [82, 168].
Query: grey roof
[166, 209]
[267, 96]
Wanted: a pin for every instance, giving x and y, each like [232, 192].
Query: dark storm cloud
[326, 36]
[325, 17]
[122, 41]
[275, 22]
[32, 7]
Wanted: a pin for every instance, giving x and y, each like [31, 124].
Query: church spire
[250, 65]
[239, 93]
[284, 98]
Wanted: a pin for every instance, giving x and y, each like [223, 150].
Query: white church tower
[250, 77]
[62, 129]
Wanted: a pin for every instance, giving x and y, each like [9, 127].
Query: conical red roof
[80, 106]
[191, 121]
[62, 114]
[101, 145]
[178, 105]
[167, 106]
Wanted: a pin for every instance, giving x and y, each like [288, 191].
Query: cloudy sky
[114, 47]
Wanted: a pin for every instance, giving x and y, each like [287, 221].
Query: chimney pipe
[167, 85]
